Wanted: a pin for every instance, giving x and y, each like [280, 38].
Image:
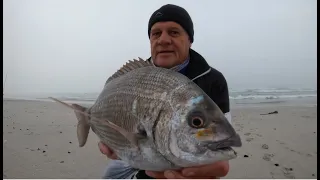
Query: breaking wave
[272, 93]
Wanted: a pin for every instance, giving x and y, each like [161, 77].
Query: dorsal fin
[129, 66]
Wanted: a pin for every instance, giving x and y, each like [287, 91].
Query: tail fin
[83, 126]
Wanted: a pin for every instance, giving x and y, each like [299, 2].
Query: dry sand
[40, 142]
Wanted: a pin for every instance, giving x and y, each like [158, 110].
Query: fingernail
[169, 174]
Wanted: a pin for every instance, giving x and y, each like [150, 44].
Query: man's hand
[107, 151]
[212, 171]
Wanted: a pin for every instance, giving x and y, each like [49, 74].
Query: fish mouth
[225, 145]
[228, 150]
[206, 135]
[225, 148]
[222, 149]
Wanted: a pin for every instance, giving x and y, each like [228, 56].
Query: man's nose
[164, 39]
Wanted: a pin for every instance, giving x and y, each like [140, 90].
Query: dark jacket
[210, 80]
[213, 82]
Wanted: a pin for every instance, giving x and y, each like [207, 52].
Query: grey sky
[74, 45]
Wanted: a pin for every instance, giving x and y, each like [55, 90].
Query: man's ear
[190, 42]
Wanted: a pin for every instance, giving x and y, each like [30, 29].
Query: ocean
[272, 96]
[238, 97]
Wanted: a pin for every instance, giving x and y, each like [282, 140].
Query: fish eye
[196, 119]
[197, 122]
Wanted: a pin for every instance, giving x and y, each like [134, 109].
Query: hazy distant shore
[234, 103]
[40, 142]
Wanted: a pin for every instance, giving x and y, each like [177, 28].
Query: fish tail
[83, 126]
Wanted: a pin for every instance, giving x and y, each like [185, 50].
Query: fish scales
[145, 86]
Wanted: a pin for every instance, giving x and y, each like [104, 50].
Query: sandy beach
[40, 142]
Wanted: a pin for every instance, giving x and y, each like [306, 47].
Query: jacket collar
[198, 66]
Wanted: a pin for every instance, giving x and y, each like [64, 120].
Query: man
[171, 34]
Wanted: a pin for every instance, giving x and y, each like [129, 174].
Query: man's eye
[174, 33]
[156, 34]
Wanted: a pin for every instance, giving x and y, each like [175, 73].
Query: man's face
[169, 44]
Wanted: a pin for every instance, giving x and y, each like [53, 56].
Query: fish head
[199, 133]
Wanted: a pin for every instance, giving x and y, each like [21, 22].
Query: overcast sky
[74, 45]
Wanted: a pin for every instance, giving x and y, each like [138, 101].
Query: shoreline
[305, 101]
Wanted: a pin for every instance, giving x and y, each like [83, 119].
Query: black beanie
[173, 13]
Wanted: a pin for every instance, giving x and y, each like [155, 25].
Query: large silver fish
[157, 119]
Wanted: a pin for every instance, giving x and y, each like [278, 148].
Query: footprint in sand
[249, 139]
[288, 173]
[288, 169]
[267, 156]
[247, 134]
[265, 146]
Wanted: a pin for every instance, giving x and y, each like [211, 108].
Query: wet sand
[40, 142]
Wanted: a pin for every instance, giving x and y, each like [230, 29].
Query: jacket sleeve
[219, 88]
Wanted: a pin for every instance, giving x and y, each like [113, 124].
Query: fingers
[173, 175]
[219, 169]
[107, 151]
[170, 174]
[178, 175]
[156, 175]
[104, 149]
